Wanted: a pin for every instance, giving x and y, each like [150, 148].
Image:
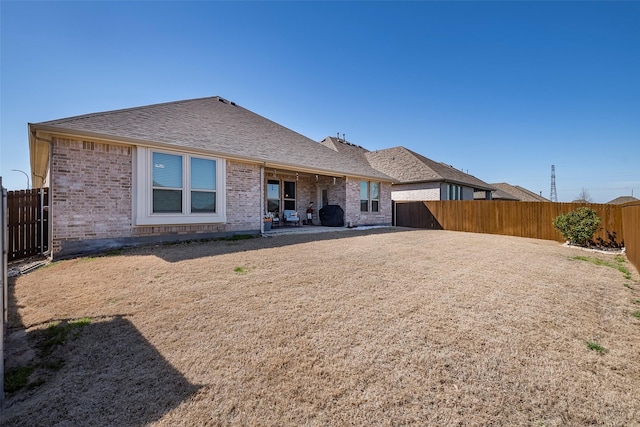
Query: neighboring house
[197, 168]
[506, 191]
[622, 200]
[419, 178]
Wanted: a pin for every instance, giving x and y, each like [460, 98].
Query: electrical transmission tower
[554, 194]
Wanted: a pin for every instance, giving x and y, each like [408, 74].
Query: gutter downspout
[262, 199]
[49, 219]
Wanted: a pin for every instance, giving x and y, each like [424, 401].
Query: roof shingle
[517, 193]
[407, 166]
[216, 126]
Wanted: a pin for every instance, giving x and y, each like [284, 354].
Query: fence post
[4, 242]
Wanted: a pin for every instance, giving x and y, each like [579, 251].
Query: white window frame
[368, 199]
[143, 191]
[371, 199]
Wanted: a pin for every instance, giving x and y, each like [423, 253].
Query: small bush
[578, 226]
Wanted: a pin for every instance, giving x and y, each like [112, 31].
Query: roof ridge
[122, 110]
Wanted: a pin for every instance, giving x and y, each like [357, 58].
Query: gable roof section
[622, 200]
[345, 148]
[214, 126]
[407, 166]
[519, 193]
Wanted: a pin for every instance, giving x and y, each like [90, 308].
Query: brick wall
[92, 197]
[91, 191]
[244, 193]
[352, 211]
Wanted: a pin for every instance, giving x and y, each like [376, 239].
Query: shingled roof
[622, 200]
[215, 126]
[516, 192]
[495, 195]
[346, 148]
[407, 166]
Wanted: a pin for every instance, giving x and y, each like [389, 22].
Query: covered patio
[300, 194]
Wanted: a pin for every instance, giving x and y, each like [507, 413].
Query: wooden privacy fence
[511, 218]
[28, 223]
[631, 224]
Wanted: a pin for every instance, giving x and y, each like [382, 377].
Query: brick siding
[92, 196]
[243, 197]
[352, 211]
[91, 190]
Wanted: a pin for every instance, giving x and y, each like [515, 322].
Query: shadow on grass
[105, 373]
[182, 251]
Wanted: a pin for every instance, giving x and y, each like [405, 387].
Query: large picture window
[178, 188]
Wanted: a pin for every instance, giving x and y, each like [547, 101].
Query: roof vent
[224, 101]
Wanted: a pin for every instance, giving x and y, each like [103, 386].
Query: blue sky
[502, 90]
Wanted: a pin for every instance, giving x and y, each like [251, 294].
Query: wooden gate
[414, 215]
[28, 223]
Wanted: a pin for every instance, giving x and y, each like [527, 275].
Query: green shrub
[578, 226]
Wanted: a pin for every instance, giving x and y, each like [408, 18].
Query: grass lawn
[376, 327]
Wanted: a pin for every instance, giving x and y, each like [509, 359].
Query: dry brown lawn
[377, 327]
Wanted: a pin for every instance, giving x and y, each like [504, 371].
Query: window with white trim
[364, 196]
[178, 188]
[369, 196]
[375, 196]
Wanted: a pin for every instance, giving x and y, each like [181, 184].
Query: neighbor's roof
[215, 126]
[495, 195]
[407, 166]
[622, 200]
[517, 192]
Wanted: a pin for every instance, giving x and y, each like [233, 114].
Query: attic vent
[224, 101]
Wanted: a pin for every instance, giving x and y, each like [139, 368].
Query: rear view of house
[198, 168]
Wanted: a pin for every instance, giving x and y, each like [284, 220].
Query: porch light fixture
[274, 173]
[316, 178]
[334, 180]
[296, 176]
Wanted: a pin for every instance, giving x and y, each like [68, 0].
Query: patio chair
[291, 217]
